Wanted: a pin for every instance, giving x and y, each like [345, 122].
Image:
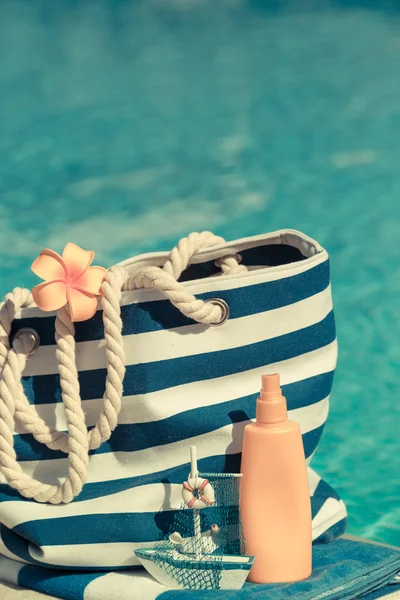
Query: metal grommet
[225, 312]
[33, 335]
[237, 257]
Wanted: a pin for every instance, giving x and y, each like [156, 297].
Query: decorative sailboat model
[204, 549]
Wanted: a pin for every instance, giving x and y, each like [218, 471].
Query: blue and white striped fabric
[185, 384]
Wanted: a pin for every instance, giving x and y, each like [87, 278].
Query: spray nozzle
[271, 405]
[271, 383]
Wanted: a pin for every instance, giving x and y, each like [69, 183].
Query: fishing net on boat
[202, 543]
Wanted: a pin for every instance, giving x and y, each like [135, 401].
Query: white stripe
[146, 498]
[330, 513]
[89, 555]
[6, 552]
[120, 465]
[9, 569]
[311, 417]
[135, 585]
[192, 340]
[162, 404]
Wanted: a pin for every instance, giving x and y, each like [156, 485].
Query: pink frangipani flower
[68, 279]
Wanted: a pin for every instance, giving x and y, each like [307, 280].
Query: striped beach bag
[96, 417]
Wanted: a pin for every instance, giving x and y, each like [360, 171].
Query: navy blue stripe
[322, 492]
[96, 528]
[158, 315]
[144, 378]
[194, 422]
[125, 527]
[229, 463]
[332, 533]
[20, 547]
[56, 583]
[311, 440]
[15, 543]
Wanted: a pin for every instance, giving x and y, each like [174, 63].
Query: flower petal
[82, 304]
[50, 295]
[91, 280]
[49, 265]
[76, 260]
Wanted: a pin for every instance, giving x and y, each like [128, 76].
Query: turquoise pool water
[125, 125]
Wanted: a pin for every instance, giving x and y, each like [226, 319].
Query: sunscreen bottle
[274, 493]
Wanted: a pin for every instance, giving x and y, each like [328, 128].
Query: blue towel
[381, 592]
[342, 570]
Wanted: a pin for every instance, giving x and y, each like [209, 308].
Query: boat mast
[196, 512]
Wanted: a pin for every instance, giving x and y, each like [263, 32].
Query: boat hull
[227, 572]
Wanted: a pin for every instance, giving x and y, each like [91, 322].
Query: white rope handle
[26, 413]
[78, 441]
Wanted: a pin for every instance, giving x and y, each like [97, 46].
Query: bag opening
[258, 252]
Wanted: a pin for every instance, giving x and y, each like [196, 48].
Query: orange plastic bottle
[274, 492]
